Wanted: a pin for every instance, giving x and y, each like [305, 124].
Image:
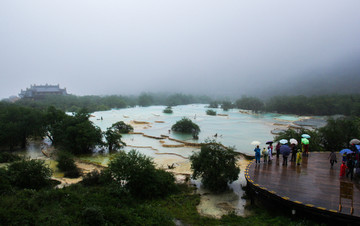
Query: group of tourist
[266, 153]
[285, 150]
[350, 162]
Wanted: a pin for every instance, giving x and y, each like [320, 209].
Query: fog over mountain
[218, 48]
[342, 77]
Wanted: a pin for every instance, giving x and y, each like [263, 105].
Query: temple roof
[35, 90]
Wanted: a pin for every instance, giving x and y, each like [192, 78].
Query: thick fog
[226, 48]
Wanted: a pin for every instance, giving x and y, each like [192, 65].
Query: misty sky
[217, 47]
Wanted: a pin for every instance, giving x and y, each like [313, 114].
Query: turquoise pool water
[236, 129]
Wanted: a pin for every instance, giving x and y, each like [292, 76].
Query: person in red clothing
[343, 168]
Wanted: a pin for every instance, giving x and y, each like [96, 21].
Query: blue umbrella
[285, 150]
[305, 135]
[283, 141]
[358, 147]
[346, 151]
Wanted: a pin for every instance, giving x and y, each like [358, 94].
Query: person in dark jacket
[285, 151]
[278, 150]
[293, 152]
[332, 158]
[350, 165]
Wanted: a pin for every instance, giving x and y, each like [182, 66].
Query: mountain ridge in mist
[340, 78]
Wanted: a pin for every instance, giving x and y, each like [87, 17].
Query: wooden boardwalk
[313, 185]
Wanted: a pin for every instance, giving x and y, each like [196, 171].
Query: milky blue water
[236, 129]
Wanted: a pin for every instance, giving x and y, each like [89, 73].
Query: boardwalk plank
[313, 182]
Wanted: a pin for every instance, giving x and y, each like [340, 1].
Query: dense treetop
[215, 165]
[74, 133]
[72, 103]
[315, 105]
[345, 104]
[185, 125]
[333, 137]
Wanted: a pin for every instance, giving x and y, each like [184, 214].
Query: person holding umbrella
[305, 145]
[345, 152]
[293, 145]
[355, 147]
[270, 149]
[354, 141]
[285, 151]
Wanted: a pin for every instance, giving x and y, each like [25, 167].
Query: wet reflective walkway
[313, 183]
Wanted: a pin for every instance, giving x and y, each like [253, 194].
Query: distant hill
[341, 78]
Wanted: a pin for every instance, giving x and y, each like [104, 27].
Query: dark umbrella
[270, 142]
[285, 150]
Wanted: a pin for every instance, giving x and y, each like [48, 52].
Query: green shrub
[168, 110]
[210, 112]
[8, 157]
[216, 165]
[5, 185]
[121, 127]
[152, 184]
[96, 178]
[32, 174]
[250, 103]
[76, 134]
[338, 132]
[213, 104]
[74, 173]
[93, 216]
[67, 164]
[185, 125]
[137, 173]
[148, 215]
[113, 140]
[226, 105]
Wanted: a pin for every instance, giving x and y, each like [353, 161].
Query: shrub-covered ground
[122, 194]
[109, 205]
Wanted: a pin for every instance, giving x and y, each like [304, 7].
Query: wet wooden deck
[313, 184]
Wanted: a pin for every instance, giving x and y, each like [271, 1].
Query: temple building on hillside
[40, 91]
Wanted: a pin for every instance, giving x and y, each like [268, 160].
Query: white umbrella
[255, 142]
[283, 141]
[305, 136]
[355, 141]
[293, 141]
